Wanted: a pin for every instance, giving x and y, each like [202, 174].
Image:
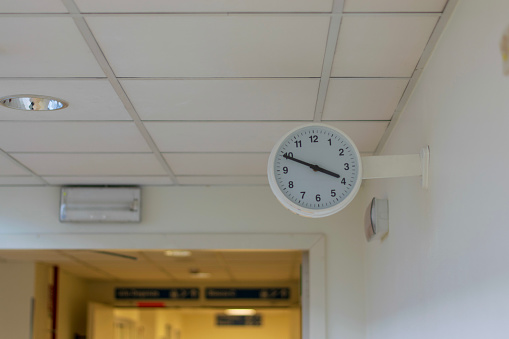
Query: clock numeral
[343, 181]
[314, 138]
[341, 152]
[288, 155]
[298, 143]
[285, 170]
[333, 192]
[290, 184]
[347, 166]
[318, 197]
[330, 142]
[303, 193]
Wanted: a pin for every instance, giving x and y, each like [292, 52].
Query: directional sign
[268, 293]
[238, 320]
[157, 293]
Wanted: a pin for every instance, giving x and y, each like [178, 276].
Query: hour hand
[315, 168]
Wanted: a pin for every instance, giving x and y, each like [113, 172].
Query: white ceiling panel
[363, 99]
[261, 256]
[9, 167]
[218, 163]
[71, 137]
[123, 164]
[247, 137]
[381, 45]
[111, 180]
[31, 255]
[119, 6]
[365, 135]
[223, 180]
[32, 6]
[20, 181]
[212, 45]
[223, 99]
[394, 5]
[89, 99]
[44, 47]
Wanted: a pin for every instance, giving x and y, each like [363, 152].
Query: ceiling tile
[71, 137]
[120, 6]
[32, 6]
[48, 256]
[89, 99]
[21, 181]
[218, 163]
[223, 180]
[44, 47]
[254, 256]
[91, 164]
[247, 137]
[8, 167]
[212, 45]
[394, 5]
[111, 180]
[381, 45]
[365, 134]
[363, 99]
[223, 99]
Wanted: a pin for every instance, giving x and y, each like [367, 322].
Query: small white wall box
[100, 204]
[376, 221]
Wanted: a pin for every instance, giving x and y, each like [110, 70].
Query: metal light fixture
[33, 102]
[100, 204]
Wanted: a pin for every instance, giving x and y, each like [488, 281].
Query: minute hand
[313, 167]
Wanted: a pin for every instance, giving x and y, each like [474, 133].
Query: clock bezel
[310, 212]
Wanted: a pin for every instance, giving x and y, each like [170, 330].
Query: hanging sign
[269, 293]
[157, 293]
[238, 320]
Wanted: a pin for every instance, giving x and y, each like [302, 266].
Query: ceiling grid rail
[92, 43]
[328, 60]
[425, 56]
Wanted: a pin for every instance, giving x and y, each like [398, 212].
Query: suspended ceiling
[197, 92]
[223, 266]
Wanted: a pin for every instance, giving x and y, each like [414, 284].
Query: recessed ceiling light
[32, 102]
[196, 273]
[240, 311]
[177, 253]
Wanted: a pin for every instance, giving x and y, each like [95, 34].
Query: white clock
[315, 170]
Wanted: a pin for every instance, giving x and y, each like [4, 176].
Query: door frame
[314, 313]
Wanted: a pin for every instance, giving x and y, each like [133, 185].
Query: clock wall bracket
[395, 166]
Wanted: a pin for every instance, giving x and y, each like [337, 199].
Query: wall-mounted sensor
[376, 220]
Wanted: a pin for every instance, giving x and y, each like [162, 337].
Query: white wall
[442, 272]
[215, 210]
[16, 293]
[276, 324]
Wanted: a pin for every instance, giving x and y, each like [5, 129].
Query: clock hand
[313, 167]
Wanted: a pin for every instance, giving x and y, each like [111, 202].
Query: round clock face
[315, 170]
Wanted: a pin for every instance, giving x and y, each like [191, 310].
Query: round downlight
[31, 102]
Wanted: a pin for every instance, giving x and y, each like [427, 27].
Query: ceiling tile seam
[425, 56]
[160, 268]
[227, 268]
[328, 59]
[20, 164]
[86, 264]
[51, 78]
[297, 78]
[96, 50]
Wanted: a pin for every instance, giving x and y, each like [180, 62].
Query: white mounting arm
[393, 166]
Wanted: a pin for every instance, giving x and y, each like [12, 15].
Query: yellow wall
[275, 325]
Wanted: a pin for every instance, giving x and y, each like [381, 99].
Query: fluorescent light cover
[240, 311]
[177, 253]
[201, 275]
